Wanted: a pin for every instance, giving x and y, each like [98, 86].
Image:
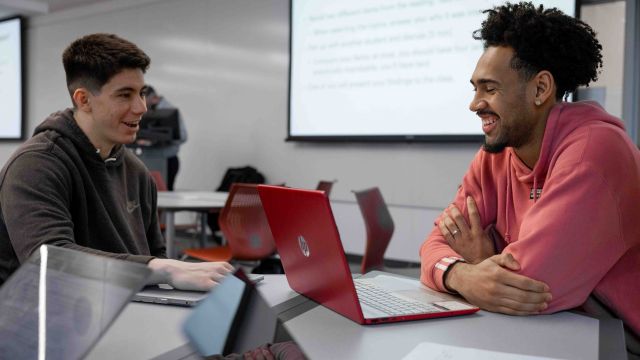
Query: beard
[518, 134]
[495, 147]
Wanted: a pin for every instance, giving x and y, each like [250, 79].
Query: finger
[524, 283]
[510, 311]
[506, 260]
[451, 225]
[527, 300]
[225, 265]
[445, 232]
[474, 214]
[459, 219]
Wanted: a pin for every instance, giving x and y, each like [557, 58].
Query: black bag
[247, 175]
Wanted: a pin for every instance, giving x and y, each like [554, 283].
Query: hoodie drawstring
[507, 236]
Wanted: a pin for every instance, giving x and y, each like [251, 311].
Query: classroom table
[202, 202]
[154, 331]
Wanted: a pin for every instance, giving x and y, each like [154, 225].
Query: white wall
[224, 63]
[608, 21]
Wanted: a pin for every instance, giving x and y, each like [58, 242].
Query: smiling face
[504, 101]
[112, 116]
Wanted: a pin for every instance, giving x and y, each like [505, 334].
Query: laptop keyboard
[384, 301]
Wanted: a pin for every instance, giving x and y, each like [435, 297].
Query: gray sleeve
[154, 234]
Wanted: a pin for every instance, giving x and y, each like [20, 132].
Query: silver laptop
[60, 302]
[165, 294]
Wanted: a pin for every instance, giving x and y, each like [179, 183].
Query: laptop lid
[310, 249]
[313, 258]
[233, 318]
[60, 301]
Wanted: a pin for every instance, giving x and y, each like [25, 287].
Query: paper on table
[435, 351]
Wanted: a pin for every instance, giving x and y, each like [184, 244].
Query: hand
[188, 276]
[491, 285]
[471, 242]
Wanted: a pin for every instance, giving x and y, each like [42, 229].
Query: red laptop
[309, 245]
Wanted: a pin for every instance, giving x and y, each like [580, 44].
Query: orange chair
[326, 186]
[379, 226]
[244, 226]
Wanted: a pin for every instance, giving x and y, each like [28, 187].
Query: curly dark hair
[544, 39]
[92, 60]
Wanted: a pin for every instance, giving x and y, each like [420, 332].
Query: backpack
[247, 175]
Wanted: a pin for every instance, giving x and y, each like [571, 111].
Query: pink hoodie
[582, 233]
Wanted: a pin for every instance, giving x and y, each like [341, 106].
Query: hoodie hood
[563, 119]
[63, 123]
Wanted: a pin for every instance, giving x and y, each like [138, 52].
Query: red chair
[326, 186]
[379, 226]
[157, 177]
[162, 186]
[244, 226]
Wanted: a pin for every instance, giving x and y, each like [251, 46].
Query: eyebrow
[484, 81]
[125, 89]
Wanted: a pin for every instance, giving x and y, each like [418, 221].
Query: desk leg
[203, 229]
[170, 233]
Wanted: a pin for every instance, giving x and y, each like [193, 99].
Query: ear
[545, 87]
[81, 97]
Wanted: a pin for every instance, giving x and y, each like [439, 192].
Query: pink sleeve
[435, 253]
[572, 236]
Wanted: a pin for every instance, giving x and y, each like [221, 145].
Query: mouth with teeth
[132, 124]
[489, 122]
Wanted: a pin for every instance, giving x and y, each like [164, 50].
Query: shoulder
[34, 159]
[599, 145]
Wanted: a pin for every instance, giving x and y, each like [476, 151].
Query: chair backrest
[325, 186]
[161, 185]
[244, 224]
[379, 226]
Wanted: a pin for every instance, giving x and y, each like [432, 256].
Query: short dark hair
[92, 60]
[544, 39]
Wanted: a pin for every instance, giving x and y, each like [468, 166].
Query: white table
[149, 331]
[200, 201]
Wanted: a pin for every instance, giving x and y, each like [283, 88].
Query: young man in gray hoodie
[75, 185]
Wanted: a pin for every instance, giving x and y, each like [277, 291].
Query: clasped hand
[493, 285]
[466, 238]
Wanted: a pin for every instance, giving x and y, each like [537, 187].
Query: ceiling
[29, 8]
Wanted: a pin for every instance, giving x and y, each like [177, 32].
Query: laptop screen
[60, 301]
[234, 318]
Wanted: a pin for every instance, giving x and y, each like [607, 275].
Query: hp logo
[304, 247]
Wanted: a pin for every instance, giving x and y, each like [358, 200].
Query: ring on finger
[454, 232]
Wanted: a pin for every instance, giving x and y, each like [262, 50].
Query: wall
[608, 21]
[224, 63]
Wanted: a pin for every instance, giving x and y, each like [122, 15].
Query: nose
[477, 104]
[139, 106]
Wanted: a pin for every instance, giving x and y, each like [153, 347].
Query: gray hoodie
[56, 189]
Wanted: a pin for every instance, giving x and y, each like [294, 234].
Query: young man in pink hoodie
[548, 214]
